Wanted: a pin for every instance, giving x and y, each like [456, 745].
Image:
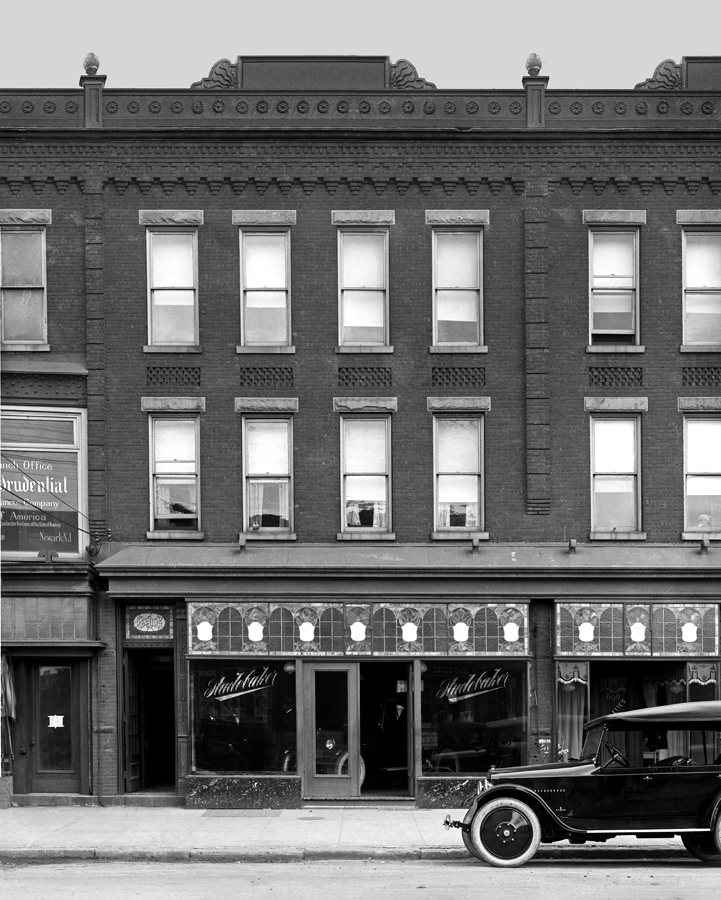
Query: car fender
[522, 793]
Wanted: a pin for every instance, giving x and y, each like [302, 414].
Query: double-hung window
[614, 285]
[703, 474]
[615, 475]
[175, 476]
[267, 465]
[363, 287]
[457, 283]
[172, 287]
[265, 288]
[23, 287]
[702, 287]
[365, 475]
[458, 456]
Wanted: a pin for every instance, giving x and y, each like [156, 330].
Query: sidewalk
[41, 834]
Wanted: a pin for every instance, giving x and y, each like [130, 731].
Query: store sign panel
[40, 501]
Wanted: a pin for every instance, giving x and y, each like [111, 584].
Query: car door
[638, 796]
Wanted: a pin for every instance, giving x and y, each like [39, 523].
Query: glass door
[332, 755]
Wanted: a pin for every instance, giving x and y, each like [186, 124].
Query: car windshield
[592, 742]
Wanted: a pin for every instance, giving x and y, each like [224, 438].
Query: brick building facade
[358, 435]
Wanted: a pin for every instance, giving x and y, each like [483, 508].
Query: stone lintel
[458, 217]
[172, 404]
[263, 217]
[459, 404]
[698, 216]
[615, 404]
[699, 404]
[170, 217]
[363, 217]
[26, 217]
[614, 217]
[266, 404]
[365, 404]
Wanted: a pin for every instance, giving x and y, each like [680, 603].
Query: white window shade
[615, 445]
[267, 448]
[457, 262]
[458, 445]
[363, 260]
[172, 260]
[613, 259]
[364, 446]
[265, 261]
[703, 260]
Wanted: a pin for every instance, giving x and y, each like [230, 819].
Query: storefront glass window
[243, 717]
[473, 716]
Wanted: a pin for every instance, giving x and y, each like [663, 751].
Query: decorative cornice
[170, 217]
[615, 404]
[365, 404]
[172, 404]
[263, 217]
[404, 77]
[266, 404]
[222, 76]
[459, 404]
[667, 77]
[26, 217]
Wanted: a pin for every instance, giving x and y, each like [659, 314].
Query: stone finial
[91, 64]
[534, 64]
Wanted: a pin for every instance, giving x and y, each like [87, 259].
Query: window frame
[615, 530]
[696, 532]
[366, 417]
[25, 344]
[623, 335]
[458, 529]
[478, 230]
[244, 231]
[79, 448]
[266, 531]
[180, 532]
[357, 229]
[172, 229]
[686, 231]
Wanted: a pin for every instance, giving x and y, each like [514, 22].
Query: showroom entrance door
[357, 730]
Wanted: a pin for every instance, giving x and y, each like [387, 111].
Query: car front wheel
[703, 847]
[505, 832]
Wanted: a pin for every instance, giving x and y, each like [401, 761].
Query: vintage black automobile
[652, 773]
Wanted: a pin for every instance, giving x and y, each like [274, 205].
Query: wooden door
[132, 738]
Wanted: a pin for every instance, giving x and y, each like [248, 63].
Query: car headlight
[329, 744]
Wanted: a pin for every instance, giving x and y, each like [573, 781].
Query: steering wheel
[616, 755]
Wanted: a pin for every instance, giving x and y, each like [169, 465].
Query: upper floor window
[702, 287]
[365, 475]
[265, 288]
[457, 287]
[172, 287]
[615, 474]
[614, 285]
[267, 472]
[458, 455]
[23, 286]
[703, 474]
[363, 286]
[175, 476]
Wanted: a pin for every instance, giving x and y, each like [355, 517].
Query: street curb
[314, 854]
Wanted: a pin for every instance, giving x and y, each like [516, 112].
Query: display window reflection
[474, 716]
[244, 719]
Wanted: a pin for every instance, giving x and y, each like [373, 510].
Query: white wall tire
[505, 833]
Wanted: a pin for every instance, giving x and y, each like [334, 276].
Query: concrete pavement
[42, 834]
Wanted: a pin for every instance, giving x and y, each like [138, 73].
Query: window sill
[175, 535]
[700, 348]
[172, 348]
[617, 536]
[365, 536]
[258, 349]
[269, 535]
[26, 348]
[460, 536]
[364, 348]
[700, 535]
[460, 348]
[615, 348]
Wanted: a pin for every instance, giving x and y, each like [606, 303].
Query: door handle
[648, 778]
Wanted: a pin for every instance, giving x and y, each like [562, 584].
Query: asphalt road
[420, 880]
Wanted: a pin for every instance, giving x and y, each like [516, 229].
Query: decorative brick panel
[173, 376]
[365, 376]
[266, 376]
[701, 376]
[615, 376]
[458, 376]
